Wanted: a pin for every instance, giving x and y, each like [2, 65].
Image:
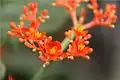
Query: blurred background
[22, 64]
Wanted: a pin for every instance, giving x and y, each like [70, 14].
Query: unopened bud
[60, 58]
[53, 4]
[21, 40]
[47, 17]
[42, 20]
[34, 50]
[45, 64]
[88, 57]
[86, 42]
[112, 26]
[70, 57]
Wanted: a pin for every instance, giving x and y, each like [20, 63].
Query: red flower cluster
[78, 47]
[48, 49]
[106, 18]
[52, 50]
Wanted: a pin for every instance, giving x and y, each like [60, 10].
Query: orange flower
[79, 32]
[79, 48]
[51, 51]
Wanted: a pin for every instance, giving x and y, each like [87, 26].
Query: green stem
[66, 41]
[38, 74]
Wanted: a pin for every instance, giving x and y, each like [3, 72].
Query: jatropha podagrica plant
[76, 38]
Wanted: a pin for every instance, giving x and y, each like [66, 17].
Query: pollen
[80, 29]
[81, 46]
[38, 34]
[32, 29]
[53, 50]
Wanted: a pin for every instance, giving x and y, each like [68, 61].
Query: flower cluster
[101, 17]
[50, 50]
[78, 46]
[70, 5]
[106, 18]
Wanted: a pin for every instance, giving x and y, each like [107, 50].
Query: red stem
[89, 25]
[73, 16]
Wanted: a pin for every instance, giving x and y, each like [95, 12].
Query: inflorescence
[50, 50]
